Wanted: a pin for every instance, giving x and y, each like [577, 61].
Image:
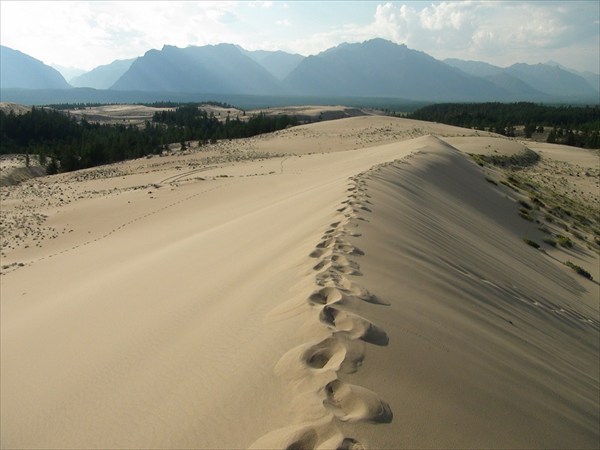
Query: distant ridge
[103, 77]
[279, 64]
[374, 69]
[219, 69]
[381, 68]
[18, 70]
[536, 80]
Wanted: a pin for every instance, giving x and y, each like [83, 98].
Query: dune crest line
[341, 337]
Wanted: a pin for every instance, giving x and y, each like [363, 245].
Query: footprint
[326, 263]
[356, 326]
[349, 249]
[325, 243]
[307, 440]
[328, 354]
[326, 296]
[351, 444]
[317, 253]
[352, 403]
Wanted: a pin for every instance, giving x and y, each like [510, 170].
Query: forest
[63, 144]
[571, 125]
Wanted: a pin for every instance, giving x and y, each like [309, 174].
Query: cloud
[86, 34]
[497, 32]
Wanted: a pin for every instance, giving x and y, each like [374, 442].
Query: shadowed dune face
[373, 298]
[486, 334]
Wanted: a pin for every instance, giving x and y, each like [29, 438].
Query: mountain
[533, 81]
[517, 88]
[279, 64]
[379, 68]
[68, 72]
[553, 80]
[18, 70]
[592, 78]
[211, 69]
[475, 68]
[103, 77]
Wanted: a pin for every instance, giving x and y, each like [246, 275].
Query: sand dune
[375, 292]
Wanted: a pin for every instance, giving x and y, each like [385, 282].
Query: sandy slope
[304, 301]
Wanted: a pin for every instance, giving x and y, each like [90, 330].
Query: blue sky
[86, 34]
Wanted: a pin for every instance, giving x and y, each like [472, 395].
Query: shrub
[524, 204]
[544, 229]
[489, 180]
[580, 270]
[525, 215]
[564, 241]
[531, 243]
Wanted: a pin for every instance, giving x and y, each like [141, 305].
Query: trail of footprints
[335, 300]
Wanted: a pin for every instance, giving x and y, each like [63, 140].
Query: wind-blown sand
[366, 288]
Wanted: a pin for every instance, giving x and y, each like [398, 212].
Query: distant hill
[518, 89]
[475, 68]
[68, 73]
[219, 69]
[18, 70]
[103, 77]
[592, 78]
[279, 64]
[381, 68]
[536, 81]
[552, 80]
[371, 70]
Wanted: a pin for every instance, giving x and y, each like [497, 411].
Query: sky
[86, 34]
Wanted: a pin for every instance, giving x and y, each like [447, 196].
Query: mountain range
[375, 69]
[103, 77]
[18, 70]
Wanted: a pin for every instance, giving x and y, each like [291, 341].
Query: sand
[346, 284]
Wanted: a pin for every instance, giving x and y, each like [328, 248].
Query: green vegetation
[522, 159]
[62, 144]
[525, 215]
[578, 126]
[564, 241]
[580, 270]
[531, 243]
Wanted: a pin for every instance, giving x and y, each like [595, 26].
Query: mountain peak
[19, 70]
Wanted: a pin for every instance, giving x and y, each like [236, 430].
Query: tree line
[62, 144]
[570, 125]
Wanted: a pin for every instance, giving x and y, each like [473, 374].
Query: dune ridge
[366, 296]
[312, 369]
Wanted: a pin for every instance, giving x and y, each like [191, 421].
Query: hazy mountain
[553, 80]
[475, 68]
[222, 68]
[533, 81]
[103, 77]
[18, 70]
[68, 72]
[376, 69]
[518, 89]
[279, 64]
[380, 68]
[592, 78]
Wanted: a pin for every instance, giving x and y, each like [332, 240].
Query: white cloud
[86, 34]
